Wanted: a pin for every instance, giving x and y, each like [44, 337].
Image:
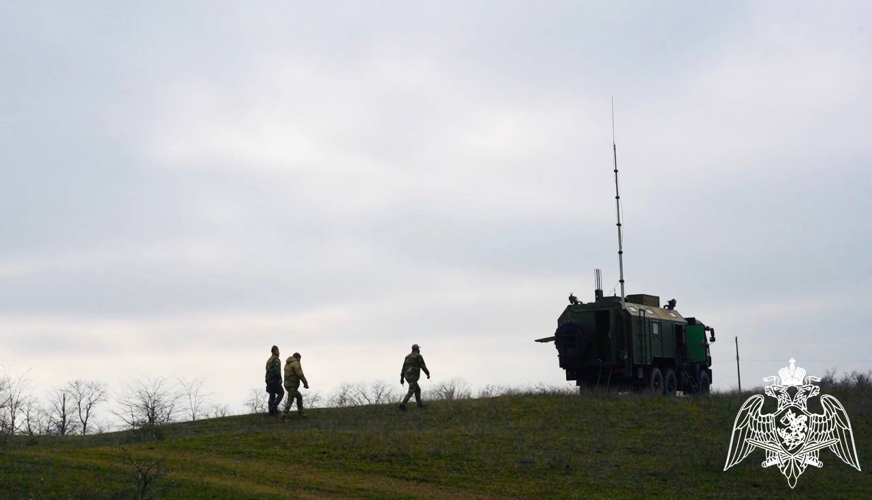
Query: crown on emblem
[791, 375]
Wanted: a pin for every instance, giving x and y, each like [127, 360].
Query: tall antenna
[618, 207]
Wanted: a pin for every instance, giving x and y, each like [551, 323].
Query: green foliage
[528, 445]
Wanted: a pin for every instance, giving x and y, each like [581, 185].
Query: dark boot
[402, 407]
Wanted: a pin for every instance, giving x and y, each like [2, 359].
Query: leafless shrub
[492, 391]
[148, 402]
[86, 394]
[829, 378]
[859, 380]
[344, 396]
[314, 399]
[101, 427]
[196, 400]
[451, 390]
[256, 402]
[852, 380]
[217, 411]
[148, 477]
[350, 394]
[489, 391]
[376, 393]
[553, 390]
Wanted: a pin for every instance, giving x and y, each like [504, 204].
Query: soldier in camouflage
[293, 377]
[274, 381]
[411, 372]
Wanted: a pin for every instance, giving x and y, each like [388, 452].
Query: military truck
[633, 344]
[629, 341]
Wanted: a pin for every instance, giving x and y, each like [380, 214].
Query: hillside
[537, 446]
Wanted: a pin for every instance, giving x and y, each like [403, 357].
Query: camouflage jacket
[294, 373]
[273, 368]
[412, 366]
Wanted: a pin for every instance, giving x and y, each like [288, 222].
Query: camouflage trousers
[414, 389]
[293, 395]
[274, 388]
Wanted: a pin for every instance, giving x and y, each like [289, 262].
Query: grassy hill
[536, 446]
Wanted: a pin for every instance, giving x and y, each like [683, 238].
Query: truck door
[656, 339]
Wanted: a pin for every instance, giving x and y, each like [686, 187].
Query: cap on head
[297, 355]
[416, 347]
[274, 348]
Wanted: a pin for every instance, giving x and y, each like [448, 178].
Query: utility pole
[738, 370]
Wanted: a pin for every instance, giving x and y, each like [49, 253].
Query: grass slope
[538, 446]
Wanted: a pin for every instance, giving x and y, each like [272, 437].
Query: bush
[451, 390]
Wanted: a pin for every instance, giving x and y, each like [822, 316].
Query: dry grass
[532, 443]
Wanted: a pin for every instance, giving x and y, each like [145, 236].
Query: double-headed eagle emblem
[792, 437]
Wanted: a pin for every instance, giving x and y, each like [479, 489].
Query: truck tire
[655, 381]
[704, 383]
[670, 382]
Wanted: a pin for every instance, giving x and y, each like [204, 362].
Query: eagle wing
[835, 425]
[750, 424]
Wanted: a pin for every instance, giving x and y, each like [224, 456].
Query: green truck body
[634, 344]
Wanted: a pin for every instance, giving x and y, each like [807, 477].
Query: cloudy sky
[184, 185]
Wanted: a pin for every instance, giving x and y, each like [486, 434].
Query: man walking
[274, 381]
[412, 366]
[293, 377]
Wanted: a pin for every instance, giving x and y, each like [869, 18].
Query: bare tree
[35, 421]
[196, 400]
[4, 386]
[61, 412]
[86, 395]
[14, 395]
[4, 400]
[257, 401]
[148, 402]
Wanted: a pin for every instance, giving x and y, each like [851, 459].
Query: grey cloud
[204, 179]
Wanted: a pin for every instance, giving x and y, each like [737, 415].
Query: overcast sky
[186, 184]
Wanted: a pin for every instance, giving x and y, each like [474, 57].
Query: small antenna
[618, 207]
[598, 279]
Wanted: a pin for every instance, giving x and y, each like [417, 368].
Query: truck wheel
[704, 383]
[655, 381]
[670, 382]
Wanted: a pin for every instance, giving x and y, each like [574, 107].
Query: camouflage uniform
[293, 377]
[274, 383]
[412, 366]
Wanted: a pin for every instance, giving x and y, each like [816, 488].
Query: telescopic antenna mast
[618, 208]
